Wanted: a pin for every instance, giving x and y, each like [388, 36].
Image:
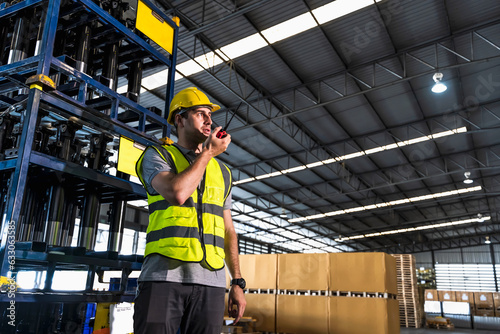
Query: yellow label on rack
[128, 154]
[154, 26]
[36, 86]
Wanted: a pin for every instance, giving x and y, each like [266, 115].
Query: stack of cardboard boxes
[485, 304]
[322, 293]
[496, 303]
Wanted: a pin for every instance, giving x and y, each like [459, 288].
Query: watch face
[240, 282]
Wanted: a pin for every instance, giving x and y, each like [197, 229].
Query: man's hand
[236, 303]
[215, 146]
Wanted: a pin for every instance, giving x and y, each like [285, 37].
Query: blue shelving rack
[94, 105]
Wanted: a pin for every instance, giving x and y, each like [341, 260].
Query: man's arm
[236, 296]
[177, 188]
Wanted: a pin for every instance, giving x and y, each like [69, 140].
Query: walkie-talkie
[222, 133]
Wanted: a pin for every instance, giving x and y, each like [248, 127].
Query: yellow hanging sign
[128, 154]
[154, 26]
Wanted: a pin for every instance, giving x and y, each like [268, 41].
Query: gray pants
[166, 308]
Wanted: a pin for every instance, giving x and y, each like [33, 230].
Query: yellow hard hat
[187, 98]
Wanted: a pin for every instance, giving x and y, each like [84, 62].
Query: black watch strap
[239, 281]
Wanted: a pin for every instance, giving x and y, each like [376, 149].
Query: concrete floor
[441, 331]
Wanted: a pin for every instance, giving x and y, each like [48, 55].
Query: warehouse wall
[471, 268]
[472, 255]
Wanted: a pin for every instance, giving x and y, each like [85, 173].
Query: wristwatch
[240, 282]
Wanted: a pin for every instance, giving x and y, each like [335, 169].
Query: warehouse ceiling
[338, 143]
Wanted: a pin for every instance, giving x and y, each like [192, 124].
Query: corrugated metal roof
[356, 90]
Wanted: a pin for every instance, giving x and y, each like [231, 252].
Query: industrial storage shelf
[136, 190]
[42, 89]
[110, 30]
[88, 174]
[8, 164]
[40, 257]
[83, 108]
[109, 24]
[104, 260]
[68, 297]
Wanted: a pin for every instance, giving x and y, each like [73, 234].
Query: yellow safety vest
[195, 230]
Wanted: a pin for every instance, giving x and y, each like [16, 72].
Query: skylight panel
[339, 8]
[244, 46]
[289, 28]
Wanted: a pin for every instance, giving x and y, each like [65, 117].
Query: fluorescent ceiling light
[392, 203]
[411, 229]
[356, 154]
[294, 169]
[315, 164]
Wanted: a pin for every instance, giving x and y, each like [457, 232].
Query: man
[190, 232]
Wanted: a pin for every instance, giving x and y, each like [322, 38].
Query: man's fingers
[237, 316]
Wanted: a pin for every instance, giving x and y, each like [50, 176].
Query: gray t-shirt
[160, 268]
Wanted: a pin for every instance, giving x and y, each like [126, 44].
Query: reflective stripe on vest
[174, 231]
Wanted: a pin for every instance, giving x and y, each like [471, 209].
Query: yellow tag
[37, 87]
[128, 154]
[154, 26]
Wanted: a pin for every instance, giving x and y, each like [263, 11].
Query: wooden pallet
[437, 326]
[408, 295]
[246, 325]
[439, 323]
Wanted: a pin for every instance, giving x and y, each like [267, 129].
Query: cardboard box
[431, 294]
[496, 300]
[351, 315]
[447, 296]
[302, 314]
[262, 308]
[259, 271]
[483, 299]
[465, 296]
[303, 271]
[363, 272]
[484, 312]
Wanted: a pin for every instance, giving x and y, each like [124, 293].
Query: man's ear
[177, 119]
